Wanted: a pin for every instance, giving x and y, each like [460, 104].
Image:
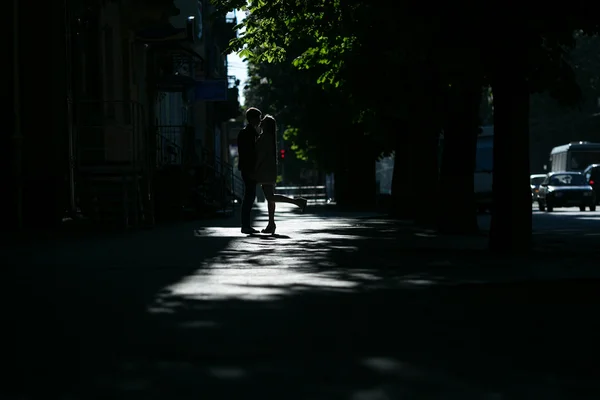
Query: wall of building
[42, 117]
[44, 148]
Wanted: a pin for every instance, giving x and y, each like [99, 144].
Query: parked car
[534, 182]
[592, 176]
[566, 189]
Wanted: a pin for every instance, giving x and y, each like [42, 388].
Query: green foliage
[272, 27]
[555, 124]
[292, 135]
[312, 117]
[585, 59]
[331, 66]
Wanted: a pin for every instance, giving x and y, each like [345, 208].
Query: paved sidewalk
[334, 306]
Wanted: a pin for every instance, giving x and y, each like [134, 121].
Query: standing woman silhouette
[266, 170]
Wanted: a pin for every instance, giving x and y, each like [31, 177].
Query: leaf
[245, 53]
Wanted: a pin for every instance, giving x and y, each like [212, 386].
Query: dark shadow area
[266, 236]
[345, 308]
[72, 306]
[341, 303]
[464, 341]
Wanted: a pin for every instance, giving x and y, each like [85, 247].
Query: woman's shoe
[270, 229]
[302, 203]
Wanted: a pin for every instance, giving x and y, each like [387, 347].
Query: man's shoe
[249, 231]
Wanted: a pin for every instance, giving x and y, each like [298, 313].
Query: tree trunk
[458, 213]
[425, 128]
[425, 174]
[355, 181]
[510, 231]
[402, 176]
[415, 176]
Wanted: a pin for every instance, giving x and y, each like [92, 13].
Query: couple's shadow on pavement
[267, 236]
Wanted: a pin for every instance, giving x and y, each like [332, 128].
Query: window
[562, 161]
[581, 159]
[537, 180]
[567, 180]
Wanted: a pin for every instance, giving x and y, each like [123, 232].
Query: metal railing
[215, 183]
[169, 144]
[230, 185]
[313, 193]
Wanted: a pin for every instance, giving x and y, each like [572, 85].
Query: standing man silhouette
[247, 163]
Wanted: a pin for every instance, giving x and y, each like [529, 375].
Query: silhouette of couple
[257, 162]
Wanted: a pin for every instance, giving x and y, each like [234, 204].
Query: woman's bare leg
[271, 207]
[270, 195]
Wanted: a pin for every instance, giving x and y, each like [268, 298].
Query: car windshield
[536, 180]
[567, 180]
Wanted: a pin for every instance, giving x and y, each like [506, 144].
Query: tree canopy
[380, 59]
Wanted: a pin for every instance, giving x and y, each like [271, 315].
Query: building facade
[125, 111]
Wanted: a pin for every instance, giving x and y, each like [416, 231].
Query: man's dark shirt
[247, 149]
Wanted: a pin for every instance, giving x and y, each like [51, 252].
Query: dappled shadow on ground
[519, 341]
[340, 308]
[71, 307]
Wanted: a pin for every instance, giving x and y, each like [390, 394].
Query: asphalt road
[334, 306]
[562, 221]
[567, 220]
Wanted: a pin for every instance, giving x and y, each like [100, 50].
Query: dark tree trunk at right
[416, 169]
[424, 135]
[355, 183]
[510, 231]
[402, 177]
[458, 213]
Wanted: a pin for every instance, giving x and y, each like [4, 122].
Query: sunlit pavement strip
[251, 266]
[263, 266]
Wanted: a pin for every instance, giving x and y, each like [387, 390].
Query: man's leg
[248, 201]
